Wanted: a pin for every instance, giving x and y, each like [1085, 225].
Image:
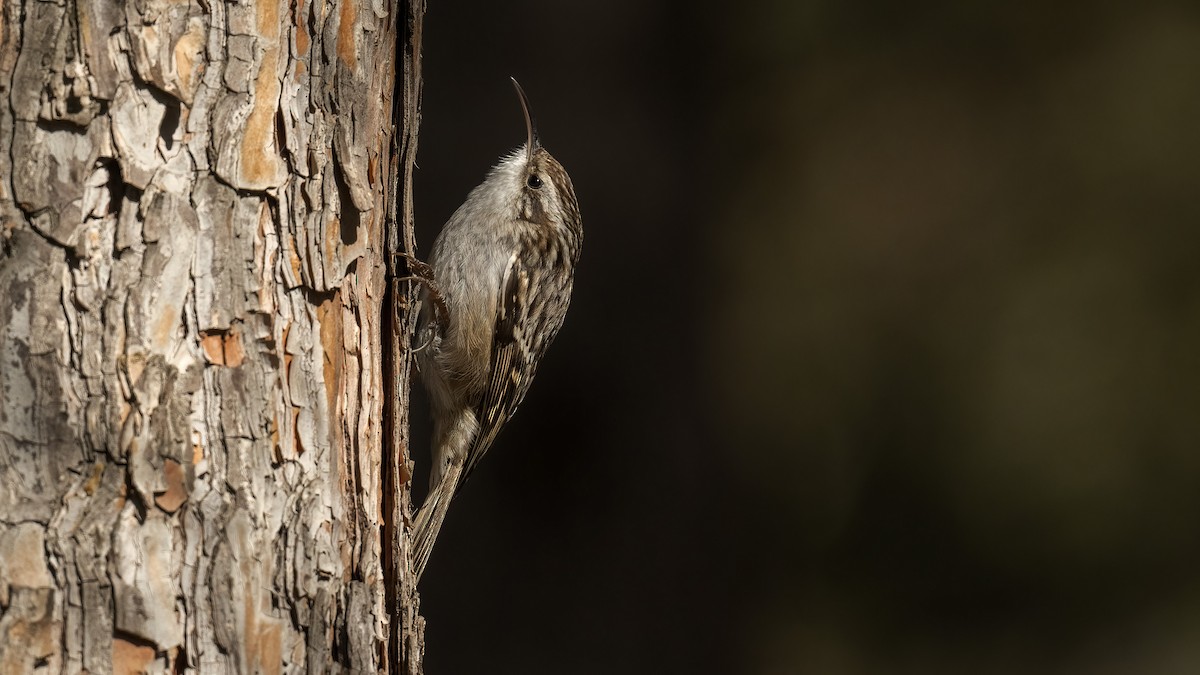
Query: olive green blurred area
[884, 354]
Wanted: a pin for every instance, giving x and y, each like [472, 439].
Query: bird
[503, 268]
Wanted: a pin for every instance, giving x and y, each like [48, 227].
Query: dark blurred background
[883, 356]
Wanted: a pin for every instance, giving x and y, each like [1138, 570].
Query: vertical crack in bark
[406, 639]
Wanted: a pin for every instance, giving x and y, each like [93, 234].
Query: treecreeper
[502, 267]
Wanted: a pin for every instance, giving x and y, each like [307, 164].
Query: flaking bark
[197, 204]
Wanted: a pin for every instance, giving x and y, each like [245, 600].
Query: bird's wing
[509, 374]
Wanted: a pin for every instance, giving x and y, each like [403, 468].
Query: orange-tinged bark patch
[223, 348]
[302, 39]
[267, 15]
[234, 353]
[294, 261]
[263, 636]
[129, 658]
[260, 164]
[329, 315]
[188, 65]
[93, 480]
[213, 349]
[176, 493]
[260, 161]
[268, 648]
[347, 48]
[165, 326]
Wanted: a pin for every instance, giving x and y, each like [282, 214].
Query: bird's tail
[431, 516]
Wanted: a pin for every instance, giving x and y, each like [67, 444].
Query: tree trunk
[198, 207]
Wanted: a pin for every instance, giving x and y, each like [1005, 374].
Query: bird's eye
[534, 181]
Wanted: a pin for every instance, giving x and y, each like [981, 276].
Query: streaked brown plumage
[504, 265]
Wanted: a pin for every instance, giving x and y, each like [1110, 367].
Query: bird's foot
[421, 272]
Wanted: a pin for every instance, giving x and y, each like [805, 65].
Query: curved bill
[530, 129]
